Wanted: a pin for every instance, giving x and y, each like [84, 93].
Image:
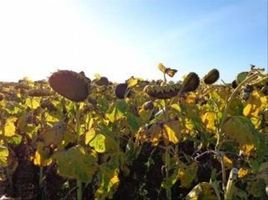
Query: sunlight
[37, 39]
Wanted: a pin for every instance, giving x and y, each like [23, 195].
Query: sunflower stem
[77, 129]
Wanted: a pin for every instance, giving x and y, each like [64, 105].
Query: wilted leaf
[243, 172]
[161, 67]
[247, 149]
[202, 191]
[209, 119]
[172, 131]
[228, 163]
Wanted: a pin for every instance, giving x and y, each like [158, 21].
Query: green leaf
[256, 188]
[118, 111]
[240, 129]
[109, 181]
[76, 163]
[133, 122]
[3, 156]
[171, 180]
[102, 143]
[187, 174]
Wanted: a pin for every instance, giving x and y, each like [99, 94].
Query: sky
[123, 38]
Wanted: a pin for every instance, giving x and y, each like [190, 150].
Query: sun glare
[36, 39]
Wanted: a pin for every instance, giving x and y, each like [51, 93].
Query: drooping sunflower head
[211, 77]
[169, 71]
[122, 91]
[190, 83]
[72, 85]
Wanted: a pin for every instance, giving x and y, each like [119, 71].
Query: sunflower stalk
[79, 185]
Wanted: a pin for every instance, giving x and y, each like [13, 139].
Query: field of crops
[75, 138]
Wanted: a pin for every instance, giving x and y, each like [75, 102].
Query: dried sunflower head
[162, 91]
[122, 91]
[234, 84]
[70, 84]
[171, 72]
[190, 83]
[39, 92]
[211, 77]
[102, 81]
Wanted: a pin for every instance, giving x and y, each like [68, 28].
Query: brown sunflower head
[70, 84]
[190, 83]
[39, 92]
[211, 77]
[171, 72]
[234, 84]
[102, 81]
[122, 91]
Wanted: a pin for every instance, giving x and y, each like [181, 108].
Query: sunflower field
[75, 138]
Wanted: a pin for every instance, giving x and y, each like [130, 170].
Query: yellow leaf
[132, 82]
[10, 127]
[90, 134]
[247, 149]
[98, 143]
[189, 124]
[247, 109]
[33, 103]
[191, 98]
[39, 161]
[115, 180]
[209, 119]
[172, 130]
[243, 172]
[156, 134]
[227, 162]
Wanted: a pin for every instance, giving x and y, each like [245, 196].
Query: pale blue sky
[120, 38]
